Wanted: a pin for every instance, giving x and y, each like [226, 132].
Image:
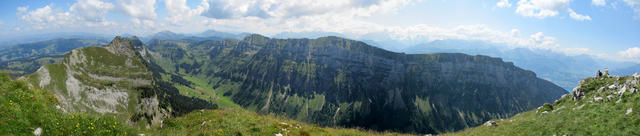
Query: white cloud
[631, 54]
[141, 9]
[503, 4]
[45, 16]
[22, 9]
[91, 10]
[598, 2]
[82, 13]
[226, 9]
[577, 16]
[635, 5]
[541, 8]
[179, 13]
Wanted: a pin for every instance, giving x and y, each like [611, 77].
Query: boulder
[622, 90]
[37, 132]
[636, 75]
[613, 86]
[601, 89]
[598, 99]
[577, 94]
[629, 111]
[491, 123]
[609, 97]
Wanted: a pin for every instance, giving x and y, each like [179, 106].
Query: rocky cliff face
[335, 81]
[110, 79]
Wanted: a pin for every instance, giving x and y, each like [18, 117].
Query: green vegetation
[26, 58]
[240, 122]
[24, 110]
[589, 115]
[332, 81]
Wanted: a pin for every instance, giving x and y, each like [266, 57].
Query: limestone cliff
[108, 80]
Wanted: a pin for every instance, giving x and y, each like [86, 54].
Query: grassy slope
[24, 109]
[242, 122]
[594, 118]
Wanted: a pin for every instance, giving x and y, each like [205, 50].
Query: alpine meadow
[326, 68]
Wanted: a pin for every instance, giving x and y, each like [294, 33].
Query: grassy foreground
[589, 115]
[24, 110]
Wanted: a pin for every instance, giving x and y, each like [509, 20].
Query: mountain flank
[333, 81]
[599, 106]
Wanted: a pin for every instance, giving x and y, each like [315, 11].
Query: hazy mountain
[28, 57]
[630, 70]
[300, 35]
[335, 81]
[30, 38]
[558, 68]
[206, 35]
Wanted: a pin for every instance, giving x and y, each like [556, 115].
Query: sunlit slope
[603, 106]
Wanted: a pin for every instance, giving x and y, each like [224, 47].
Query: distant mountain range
[26, 58]
[558, 68]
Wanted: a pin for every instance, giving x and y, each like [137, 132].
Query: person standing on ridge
[598, 74]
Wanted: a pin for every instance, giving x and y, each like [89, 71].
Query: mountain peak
[123, 46]
[256, 38]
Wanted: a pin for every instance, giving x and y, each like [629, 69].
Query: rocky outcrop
[348, 82]
[109, 79]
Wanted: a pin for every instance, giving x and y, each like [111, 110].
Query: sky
[602, 28]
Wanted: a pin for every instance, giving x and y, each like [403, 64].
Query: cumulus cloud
[541, 8]
[91, 10]
[45, 16]
[503, 4]
[225, 9]
[141, 9]
[178, 13]
[577, 16]
[598, 2]
[631, 54]
[635, 5]
[22, 9]
[84, 12]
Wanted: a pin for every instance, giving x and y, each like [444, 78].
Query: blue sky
[602, 28]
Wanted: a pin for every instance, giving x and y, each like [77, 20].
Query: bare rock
[613, 86]
[598, 99]
[601, 89]
[492, 123]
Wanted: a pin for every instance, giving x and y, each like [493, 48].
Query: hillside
[22, 59]
[603, 106]
[114, 79]
[333, 81]
[559, 68]
[26, 110]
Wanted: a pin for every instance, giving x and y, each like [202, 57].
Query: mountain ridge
[336, 81]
